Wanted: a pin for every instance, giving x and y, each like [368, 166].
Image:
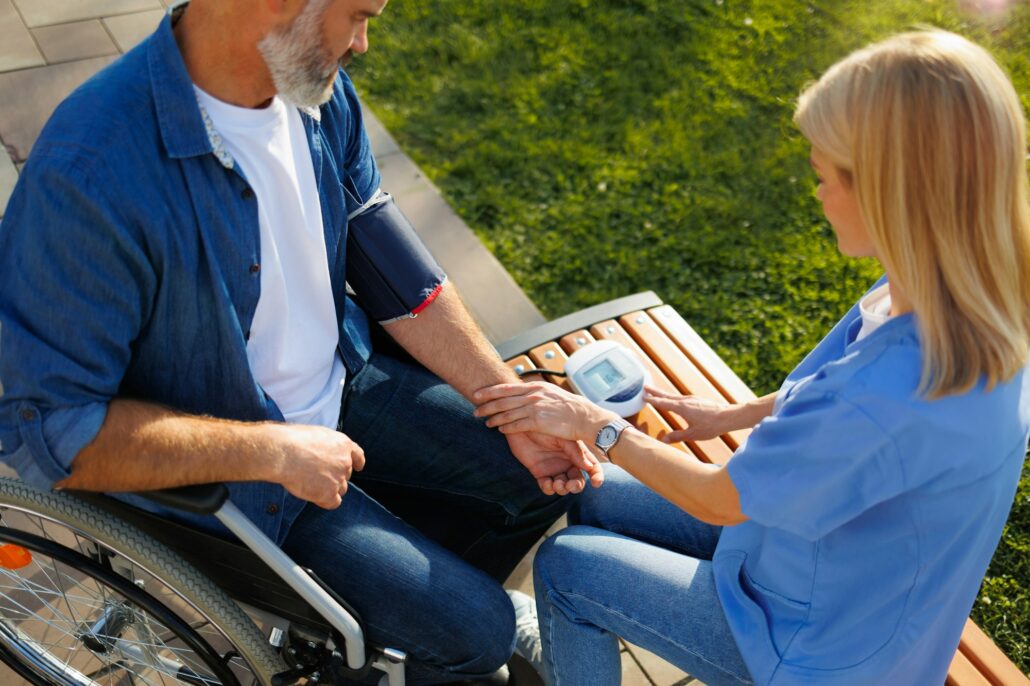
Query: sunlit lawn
[602, 147]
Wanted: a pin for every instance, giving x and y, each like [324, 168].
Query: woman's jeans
[427, 584]
[634, 566]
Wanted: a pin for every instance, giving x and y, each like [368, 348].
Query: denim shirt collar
[185, 126]
[178, 116]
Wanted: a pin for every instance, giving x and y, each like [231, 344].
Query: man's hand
[314, 463]
[557, 464]
[540, 407]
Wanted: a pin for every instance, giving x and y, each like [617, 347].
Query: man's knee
[481, 639]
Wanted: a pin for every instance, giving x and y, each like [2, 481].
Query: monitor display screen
[603, 377]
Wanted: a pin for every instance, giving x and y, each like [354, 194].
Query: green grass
[605, 147]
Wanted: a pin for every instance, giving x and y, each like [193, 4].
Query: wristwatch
[609, 435]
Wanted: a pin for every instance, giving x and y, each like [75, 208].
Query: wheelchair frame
[259, 576]
[256, 576]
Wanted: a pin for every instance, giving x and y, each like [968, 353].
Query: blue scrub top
[873, 514]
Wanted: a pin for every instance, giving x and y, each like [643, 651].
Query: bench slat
[706, 359]
[680, 370]
[551, 357]
[611, 330]
[524, 362]
[963, 673]
[980, 650]
[572, 342]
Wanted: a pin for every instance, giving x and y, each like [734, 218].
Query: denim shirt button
[28, 415]
[255, 268]
[272, 509]
[247, 193]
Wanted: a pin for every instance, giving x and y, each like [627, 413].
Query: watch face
[607, 436]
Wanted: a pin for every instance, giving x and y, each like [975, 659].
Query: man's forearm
[142, 446]
[447, 342]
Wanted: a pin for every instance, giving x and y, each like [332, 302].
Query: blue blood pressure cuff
[389, 268]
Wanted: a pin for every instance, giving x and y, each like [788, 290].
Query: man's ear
[284, 10]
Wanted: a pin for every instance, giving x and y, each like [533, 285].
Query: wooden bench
[680, 361]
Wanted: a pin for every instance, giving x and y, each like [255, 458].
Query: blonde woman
[845, 541]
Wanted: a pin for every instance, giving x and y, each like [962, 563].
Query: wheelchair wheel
[87, 599]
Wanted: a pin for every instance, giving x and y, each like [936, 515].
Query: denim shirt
[130, 262]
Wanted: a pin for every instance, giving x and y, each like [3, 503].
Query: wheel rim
[47, 609]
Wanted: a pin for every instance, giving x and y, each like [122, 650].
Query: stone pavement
[49, 47]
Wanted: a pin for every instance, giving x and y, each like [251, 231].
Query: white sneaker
[527, 631]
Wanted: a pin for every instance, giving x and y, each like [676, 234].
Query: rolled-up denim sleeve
[362, 173]
[49, 442]
[75, 288]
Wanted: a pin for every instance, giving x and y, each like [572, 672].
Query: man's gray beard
[297, 59]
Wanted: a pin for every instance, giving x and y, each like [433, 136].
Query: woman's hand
[541, 407]
[705, 418]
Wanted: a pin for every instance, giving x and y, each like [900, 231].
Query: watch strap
[619, 425]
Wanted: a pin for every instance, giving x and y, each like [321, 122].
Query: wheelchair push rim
[236, 652]
[120, 628]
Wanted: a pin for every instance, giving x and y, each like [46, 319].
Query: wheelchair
[93, 591]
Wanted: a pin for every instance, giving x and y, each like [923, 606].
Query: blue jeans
[428, 585]
[635, 566]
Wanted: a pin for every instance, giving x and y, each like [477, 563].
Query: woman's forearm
[746, 415]
[703, 490]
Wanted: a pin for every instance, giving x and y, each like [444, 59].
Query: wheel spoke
[39, 617]
[25, 586]
[45, 609]
[107, 670]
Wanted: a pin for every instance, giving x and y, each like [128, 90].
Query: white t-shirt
[293, 339]
[875, 309]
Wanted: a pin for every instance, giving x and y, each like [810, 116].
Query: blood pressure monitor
[610, 375]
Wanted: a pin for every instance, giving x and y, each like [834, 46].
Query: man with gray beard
[174, 311]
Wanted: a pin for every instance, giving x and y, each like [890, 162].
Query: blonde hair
[928, 131]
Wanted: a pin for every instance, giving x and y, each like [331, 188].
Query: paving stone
[661, 672]
[17, 49]
[39, 91]
[44, 12]
[521, 578]
[632, 674]
[8, 177]
[130, 29]
[75, 41]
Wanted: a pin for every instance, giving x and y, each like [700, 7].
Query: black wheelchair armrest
[198, 499]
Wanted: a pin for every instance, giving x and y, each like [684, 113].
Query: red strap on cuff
[425, 303]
